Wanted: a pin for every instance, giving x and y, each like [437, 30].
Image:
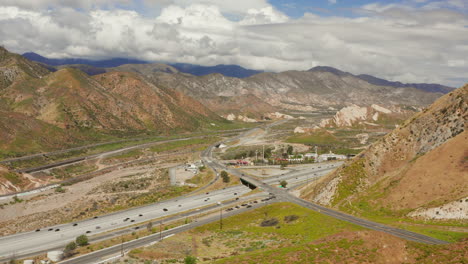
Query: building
[311, 155]
[331, 156]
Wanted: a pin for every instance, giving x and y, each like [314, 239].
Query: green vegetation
[82, 240]
[72, 170]
[321, 137]
[60, 189]
[365, 204]
[283, 183]
[129, 154]
[190, 260]
[183, 144]
[272, 227]
[352, 176]
[225, 176]
[14, 178]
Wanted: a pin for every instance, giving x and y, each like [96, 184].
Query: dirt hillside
[420, 165]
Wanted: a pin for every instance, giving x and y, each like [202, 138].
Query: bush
[290, 218]
[225, 176]
[69, 249]
[82, 240]
[284, 183]
[70, 246]
[190, 260]
[269, 222]
[60, 189]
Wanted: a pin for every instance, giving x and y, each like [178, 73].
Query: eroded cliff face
[421, 164]
[291, 90]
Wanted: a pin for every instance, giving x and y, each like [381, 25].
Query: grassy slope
[312, 238]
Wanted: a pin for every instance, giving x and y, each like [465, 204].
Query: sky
[404, 40]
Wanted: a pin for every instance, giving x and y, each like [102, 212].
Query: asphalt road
[285, 196]
[30, 242]
[98, 256]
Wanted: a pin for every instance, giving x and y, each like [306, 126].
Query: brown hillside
[14, 67]
[423, 163]
[74, 107]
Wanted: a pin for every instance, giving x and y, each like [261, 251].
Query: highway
[28, 243]
[60, 235]
[101, 255]
[283, 195]
[24, 244]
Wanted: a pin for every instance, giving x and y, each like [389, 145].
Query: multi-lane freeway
[59, 235]
[38, 241]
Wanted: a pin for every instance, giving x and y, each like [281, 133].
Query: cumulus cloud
[396, 42]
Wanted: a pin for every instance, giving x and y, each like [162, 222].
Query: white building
[311, 155]
[331, 156]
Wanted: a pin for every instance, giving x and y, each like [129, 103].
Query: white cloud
[390, 41]
[267, 15]
[332, 2]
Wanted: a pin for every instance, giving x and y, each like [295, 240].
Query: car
[98, 227]
[50, 229]
[207, 192]
[126, 219]
[140, 215]
[180, 205]
[58, 229]
[37, 230]
[75, 224]
[165, 210]
[87, 232]
[137, 227]
[244, 204]
[237, 198]
[235, 193]
[237, 206]
[95, 217]
[248, 206]
[255, 201]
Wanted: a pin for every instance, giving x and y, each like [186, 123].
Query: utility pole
[220, 216]
[121, 246]
[263, 160]
[160, 230]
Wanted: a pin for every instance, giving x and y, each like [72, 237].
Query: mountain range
[90, 66]
[157, 98]
[93, 67]
[43, 110]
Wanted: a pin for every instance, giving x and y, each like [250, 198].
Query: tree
[190, 260]
[283, 183]
[70, 246]
[225, 176]
[82, 240]
[290, 150]
[69, 249]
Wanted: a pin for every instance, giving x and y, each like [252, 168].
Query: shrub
[82, 240]
[290, 218]
[284, 183]
[269, 222]
[225, 176]
[190, 260]
[60, 189]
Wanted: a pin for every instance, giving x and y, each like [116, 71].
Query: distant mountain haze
[226, 70]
